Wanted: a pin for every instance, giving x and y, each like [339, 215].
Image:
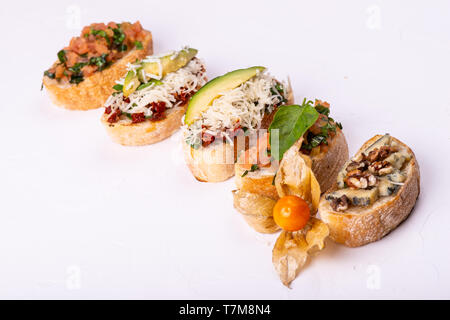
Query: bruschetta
[324, 143]
[225, 109]
[85, 72]
[150, 100]
[374, 192]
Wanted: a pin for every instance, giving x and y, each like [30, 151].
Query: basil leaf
[123, 47]
[138, 45]
[76, 78]
[99, 61]
[119, 36]
[62, 56]
[77, 67]
[292, 122]
[118, 87]
[323, 110]
[102, 34]
[49, 74]
[148, 84]
[245, 173]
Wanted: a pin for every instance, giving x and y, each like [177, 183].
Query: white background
[82, 217]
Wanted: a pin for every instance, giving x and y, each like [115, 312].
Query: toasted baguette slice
[214, 163]
[143, 133]
[360, 225]
[214, 169]
[325, 166]
[94, 90]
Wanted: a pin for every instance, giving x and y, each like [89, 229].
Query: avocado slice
[131, 83]
[202, 99]
[169, 63]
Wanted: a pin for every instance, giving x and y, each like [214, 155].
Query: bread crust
[147, 132]
[362, 225]
[94, 90]
[214, 163]
[325, 167]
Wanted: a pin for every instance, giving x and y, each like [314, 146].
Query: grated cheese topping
[242, 107]
[185, 80]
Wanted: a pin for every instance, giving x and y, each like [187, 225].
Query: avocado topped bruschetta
[228, 107]
[83, 76]
[150, 100]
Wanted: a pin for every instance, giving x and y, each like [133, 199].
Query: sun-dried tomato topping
[207, 139]
[183, 96]
[157, 109]
[108, 110]
[137, 117]
[115, 116]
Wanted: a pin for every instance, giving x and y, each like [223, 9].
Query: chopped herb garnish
[101, 33]
[118, 87]
[253, 168]
[123, 47]
[148, 84]
[278, 90]
[76, 68]
[76, 78]
[323, 110]
[138, 45]
[314, 140]
[49, 74]
[62, 56]
[99, 61]
[127, 114]
[119, 36]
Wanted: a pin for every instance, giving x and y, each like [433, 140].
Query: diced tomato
[79, 45]
[89, 70]
[59, 71]
[98, 26]
[112, 25]
[72, 58]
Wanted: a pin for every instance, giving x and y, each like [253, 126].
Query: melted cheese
[187, 79]
[244, 106]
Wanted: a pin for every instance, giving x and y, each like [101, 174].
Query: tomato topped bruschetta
[83, 76]
[151, 99]
[322, 141]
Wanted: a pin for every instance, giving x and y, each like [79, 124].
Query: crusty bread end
[358, 226]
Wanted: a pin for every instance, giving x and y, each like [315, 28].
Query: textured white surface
[82, 217]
